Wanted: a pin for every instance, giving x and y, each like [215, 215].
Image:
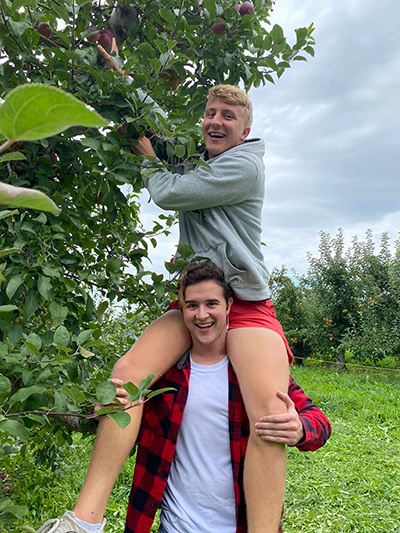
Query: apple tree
[60, 272]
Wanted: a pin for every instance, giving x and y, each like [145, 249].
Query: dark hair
[205, 271]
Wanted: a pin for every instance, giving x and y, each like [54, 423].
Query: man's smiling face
[204, 313]
[223, 127]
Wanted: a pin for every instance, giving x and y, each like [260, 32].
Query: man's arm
[227, 181]
[304, 425]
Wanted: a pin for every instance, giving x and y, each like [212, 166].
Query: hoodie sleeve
[317, 428]
[227, 180]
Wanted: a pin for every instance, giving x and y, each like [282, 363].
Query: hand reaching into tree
[109, 59]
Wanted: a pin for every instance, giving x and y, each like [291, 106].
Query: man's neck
[207, 355]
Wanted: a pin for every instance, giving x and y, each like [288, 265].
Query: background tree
[59, 274]
[347, 304]
[291, 298]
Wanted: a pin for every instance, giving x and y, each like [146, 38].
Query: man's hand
[143, 147]
[120, 393]
[284, 428]
[109, 60]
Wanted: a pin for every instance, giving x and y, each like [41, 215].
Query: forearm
[225, 182]
[111, 449]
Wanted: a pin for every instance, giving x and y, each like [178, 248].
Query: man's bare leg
[261, 364]
[160, 346]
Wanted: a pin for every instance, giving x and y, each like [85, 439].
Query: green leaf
[121, 418]
[74, 393]
[167, 15]
[8, 251]
[191, 148]
[277, 34]
[146, 381]
[8, 213]
[58, 312]
[34, 111]
[34, 339]
[159, 288]
[179, 151]
[160, 391]
[13, 156]
[29, 198]
[184, 250]
[8, 308]
[85, 353]
[44, 287]
[18, 27]
[13, 285]
[14, 428]
[22, 394]
[210, 6]
[61, 336]
[91, 143]
[310, 50]
[5, 389]
[101, 310]
[105, 392]
[31, 303]
[133, 391]
[84, 336]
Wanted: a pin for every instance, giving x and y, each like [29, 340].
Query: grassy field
[352, 484]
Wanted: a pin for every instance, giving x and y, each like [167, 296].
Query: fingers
[285, 398]
[120, 393]
[114, 47]
[109, 60]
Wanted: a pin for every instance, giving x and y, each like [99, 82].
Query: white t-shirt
[199, 496]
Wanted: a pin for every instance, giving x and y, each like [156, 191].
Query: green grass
[351, 484]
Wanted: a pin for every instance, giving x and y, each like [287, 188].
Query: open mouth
[214, 135]
[204, 327]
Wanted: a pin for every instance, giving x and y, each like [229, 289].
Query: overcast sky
[332, 131]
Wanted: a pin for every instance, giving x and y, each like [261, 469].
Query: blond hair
[234, 96]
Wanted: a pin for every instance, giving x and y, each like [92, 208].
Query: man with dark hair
[193, 442]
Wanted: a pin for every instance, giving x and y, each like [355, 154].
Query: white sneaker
[66, 524]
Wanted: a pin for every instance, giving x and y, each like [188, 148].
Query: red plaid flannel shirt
[161, 421]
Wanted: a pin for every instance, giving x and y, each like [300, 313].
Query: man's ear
[245, 133]
[229, 305]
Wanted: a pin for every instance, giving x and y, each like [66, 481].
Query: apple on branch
[246, 8]
[44, 29]
[93, 37]
[105, 39]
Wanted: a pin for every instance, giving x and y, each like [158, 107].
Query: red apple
[219, 28]
[172, 78]
[246, 8]
[123, 129]
[94, 36]
[237, 7]
[105, 40]
[44, 29]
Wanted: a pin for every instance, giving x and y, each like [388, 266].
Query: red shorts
[259, 314]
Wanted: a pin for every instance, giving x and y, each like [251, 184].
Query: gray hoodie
[220, 214]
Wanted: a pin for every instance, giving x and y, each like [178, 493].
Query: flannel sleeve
[317, 428]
